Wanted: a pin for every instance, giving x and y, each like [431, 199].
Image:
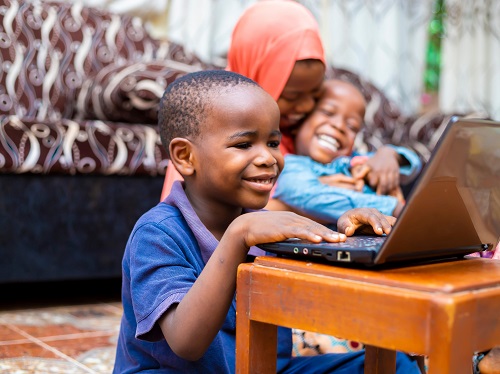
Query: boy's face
[237, 156]
[330, 131]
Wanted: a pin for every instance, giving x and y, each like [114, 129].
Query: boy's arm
[191, 325]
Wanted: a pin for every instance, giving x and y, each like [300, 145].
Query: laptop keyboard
[352, 242]
[365, 241]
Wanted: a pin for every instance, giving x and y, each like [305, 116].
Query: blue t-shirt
[166, 252]
[299, 186]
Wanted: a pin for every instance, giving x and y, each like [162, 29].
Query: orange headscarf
[269, 38]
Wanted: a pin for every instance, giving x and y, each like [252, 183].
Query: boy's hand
[365, 220]
[383, 174]
[263, 227]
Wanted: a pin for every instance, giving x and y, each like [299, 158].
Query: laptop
[452, 211]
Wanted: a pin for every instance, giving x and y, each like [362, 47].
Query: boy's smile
[236, 157]
[331, 129]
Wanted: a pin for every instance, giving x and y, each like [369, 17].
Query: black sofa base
[62, 227]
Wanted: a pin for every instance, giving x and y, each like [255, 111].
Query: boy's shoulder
[161, 215]
[160, 212]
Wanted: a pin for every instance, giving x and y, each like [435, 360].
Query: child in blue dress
[326, 178]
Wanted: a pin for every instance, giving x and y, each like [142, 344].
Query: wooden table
[446, 310]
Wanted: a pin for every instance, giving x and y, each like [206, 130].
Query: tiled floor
[46, 329]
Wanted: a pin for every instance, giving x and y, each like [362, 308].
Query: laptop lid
[453, 210]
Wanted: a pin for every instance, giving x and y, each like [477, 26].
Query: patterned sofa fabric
[49, 49]
[128, 93]
[385, 124]
[79, 89]
[85, 147]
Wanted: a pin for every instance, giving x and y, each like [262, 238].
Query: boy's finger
[317, 237]
[317, 232]
[380, 224]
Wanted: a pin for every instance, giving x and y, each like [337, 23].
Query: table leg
[379, 360]
[451, 335]
[256, 342]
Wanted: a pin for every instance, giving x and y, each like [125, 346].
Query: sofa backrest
[386, 124]
[49, 49]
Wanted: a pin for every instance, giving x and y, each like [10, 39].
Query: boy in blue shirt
[326, 178]
[179, 268]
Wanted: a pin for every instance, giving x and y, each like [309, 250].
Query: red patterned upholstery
[66, 66]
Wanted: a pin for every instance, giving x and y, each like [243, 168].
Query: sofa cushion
[48, 49]
[128, 93]
[86, 147]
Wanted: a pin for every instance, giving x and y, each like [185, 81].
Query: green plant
[433, 54]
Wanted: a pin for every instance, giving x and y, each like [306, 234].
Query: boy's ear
[181, 155]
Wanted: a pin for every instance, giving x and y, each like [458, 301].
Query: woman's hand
[382, 172]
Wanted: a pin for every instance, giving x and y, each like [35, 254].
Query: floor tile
[25, 350]
[43, 330]
[75, 348]
[7, 334]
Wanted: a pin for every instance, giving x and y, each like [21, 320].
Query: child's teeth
[329, 142]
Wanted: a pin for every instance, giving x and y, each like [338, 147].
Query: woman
[278, 45]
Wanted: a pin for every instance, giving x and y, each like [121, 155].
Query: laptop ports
[317, 252]
[343, 256]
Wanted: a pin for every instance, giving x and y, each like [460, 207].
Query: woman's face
[302, 90]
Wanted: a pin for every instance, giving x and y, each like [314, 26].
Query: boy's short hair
[186, 102]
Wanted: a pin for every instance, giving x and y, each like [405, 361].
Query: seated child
[222, 134]
[326, 178]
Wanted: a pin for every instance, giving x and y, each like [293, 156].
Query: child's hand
[383, 175]
[343, 181]
[398, 194]
[263, 227]
[365, 220]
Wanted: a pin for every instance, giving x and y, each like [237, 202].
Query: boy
[179, 268]
[326, 178]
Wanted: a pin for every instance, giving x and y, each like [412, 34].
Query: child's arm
[191, 325]
[343, 181]
[300, 188]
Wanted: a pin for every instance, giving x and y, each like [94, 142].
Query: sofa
[80, 154]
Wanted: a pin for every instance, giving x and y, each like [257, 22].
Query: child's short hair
[186, 102]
